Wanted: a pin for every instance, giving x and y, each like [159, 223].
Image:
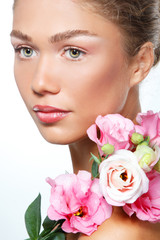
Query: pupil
[75, 53]
[27, 51]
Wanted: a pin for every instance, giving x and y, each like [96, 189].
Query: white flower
[121, 178]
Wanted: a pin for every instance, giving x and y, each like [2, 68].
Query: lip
[49, 114]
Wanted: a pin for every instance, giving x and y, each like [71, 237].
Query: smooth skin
[70, 58]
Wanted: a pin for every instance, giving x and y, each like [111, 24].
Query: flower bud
[144, 143]
[145, 160]
[137, 138]
[108, 149]
[145, 156]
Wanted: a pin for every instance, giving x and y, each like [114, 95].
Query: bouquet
[126, 173]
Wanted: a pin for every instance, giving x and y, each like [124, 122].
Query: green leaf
[95, 172]
[33, 218]
[49, 224]
[51, 227]
[147, 139]
[97, 160]
[54, 236]
[100, 158]
[157, 166]
[106, 157]
[58, 236]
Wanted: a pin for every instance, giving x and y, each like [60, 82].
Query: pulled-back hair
[139, 21]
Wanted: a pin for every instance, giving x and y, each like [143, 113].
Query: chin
[61, 137]
[54, 139]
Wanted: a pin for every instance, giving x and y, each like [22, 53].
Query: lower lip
[51, 117]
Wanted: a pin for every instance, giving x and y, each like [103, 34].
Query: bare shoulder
[131, 230]
[120, 226]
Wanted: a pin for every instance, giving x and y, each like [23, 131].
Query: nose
[46, 77]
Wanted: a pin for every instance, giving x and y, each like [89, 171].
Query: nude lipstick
[49, 114]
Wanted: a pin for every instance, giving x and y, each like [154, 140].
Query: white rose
[121, 178]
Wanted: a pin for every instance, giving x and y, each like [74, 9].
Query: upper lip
[47, 109]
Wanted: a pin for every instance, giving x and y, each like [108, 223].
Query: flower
[137, 138]
[121, 178]
[113, 129]
[107, 149]
[78, 200]
[147, 206]
[147, 157]
[149, 126]
[129, 170]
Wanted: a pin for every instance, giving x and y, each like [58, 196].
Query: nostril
[37, 93]
[45, 84]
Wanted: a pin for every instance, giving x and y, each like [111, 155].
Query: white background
[25, 158]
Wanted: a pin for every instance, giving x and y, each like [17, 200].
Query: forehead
[47, 11]
[41, 19]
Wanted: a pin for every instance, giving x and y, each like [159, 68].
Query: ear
[142, 63]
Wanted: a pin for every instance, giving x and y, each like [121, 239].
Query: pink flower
[149, 126]
[121, 178]
[147, 207]
[113, 129]
[78, 199]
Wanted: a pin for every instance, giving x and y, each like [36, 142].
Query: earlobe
[142, 63]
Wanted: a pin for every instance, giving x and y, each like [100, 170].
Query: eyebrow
[58, 37]
[20, 35]
[70, 34]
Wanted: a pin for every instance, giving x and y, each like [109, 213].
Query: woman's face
[70, 67]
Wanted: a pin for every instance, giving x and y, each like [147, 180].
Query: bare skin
[120, 226]
[98, 79]
[80, 151]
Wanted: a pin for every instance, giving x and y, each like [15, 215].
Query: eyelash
[80, 52]
[21, 48]
[66, 51]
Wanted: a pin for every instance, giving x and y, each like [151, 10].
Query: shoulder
[119, 232]
[127, 229]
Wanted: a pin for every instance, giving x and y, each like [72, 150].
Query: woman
[76, 60]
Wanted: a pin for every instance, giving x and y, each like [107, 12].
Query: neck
[80, 154]
[80, 150]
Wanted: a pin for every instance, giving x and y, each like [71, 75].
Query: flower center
[124, 176]
[82, 211]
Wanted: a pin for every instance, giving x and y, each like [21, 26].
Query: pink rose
[78, 199]
[147, 206]
[149, 126]
[121, 178]
[113, 129]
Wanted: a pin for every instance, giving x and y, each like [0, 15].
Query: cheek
[23, 78]
[99, 86]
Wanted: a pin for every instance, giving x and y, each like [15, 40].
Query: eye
[25, 52]
[74, 53]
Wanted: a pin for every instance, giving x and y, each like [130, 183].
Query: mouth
[49, 114]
